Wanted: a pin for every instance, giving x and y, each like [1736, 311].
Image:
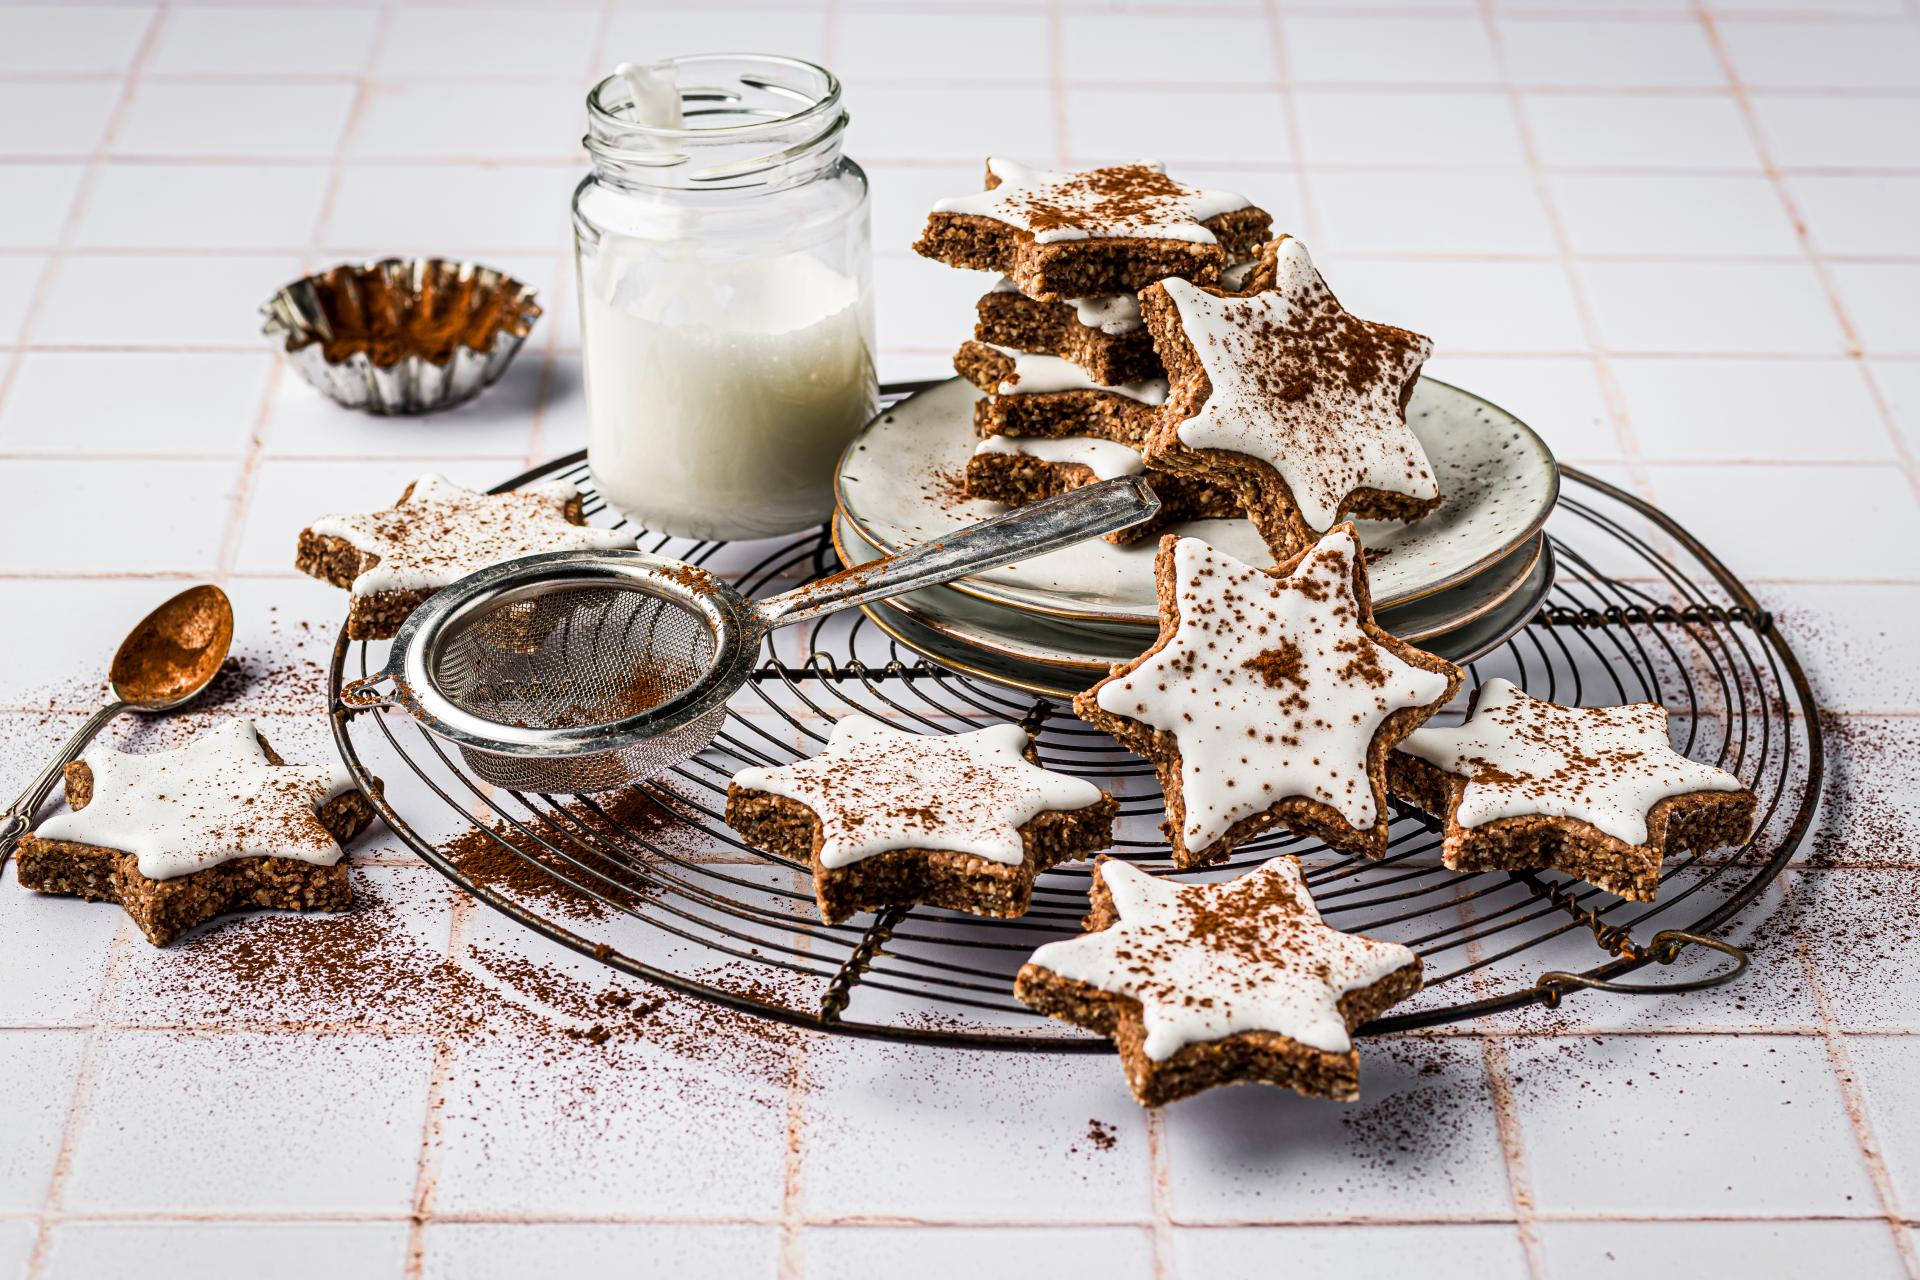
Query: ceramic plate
[963, 632]
[1040, 638]
[899, 481]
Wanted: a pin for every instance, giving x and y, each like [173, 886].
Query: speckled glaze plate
[898, 484]
[961, 627]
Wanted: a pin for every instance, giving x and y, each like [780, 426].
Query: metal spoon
[168, 659]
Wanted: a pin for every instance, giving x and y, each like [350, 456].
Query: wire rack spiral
[656, 884]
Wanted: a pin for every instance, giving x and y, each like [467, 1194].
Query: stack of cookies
[1073, 387]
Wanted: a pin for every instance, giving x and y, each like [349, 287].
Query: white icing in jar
[726, 297]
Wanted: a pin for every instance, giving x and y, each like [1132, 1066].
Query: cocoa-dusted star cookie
[1598, 793]
[178, 837]
[1284, 396]
[1206, 984]
[890, 818]
[1095, 231]
[436, 534]
[1270, 698]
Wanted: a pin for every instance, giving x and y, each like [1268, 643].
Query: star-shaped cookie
[437, 533]
[1598, 793]
[1270, 698]
[177, 837]
[1284, 396]
[888, 818]
[1206, 984]
[1093, 231]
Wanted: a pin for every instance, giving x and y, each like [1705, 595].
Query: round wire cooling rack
[652, 882]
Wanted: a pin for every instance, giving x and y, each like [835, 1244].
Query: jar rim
[599, 114]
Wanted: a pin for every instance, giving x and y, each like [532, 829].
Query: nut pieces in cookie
[1207, 984]
[1270, 698]
[178, 837]
[1296, 404]
[890, 818]
[1598, 793]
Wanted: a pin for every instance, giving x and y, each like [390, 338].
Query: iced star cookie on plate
[1597, 793]
[1095, 231]
[1269, 699]
[1207, 984]
[1296, 404]
[890, 818]
[178, 837]
[436, 534]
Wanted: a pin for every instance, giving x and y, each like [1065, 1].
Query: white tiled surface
[1677, 238]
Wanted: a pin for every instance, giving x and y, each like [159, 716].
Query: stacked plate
[1459, 582]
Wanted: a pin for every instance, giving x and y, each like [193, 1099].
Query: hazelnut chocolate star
[1283, 396]
[888, 818]
[1096, 231]
[1598, 793]
[178, 837]
[1206, 984]
[1270, 698]
[436, 534]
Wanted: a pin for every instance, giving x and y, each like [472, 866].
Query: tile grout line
[1289, 105]
[426, 1174]
[1856, 345]
[1160, 1229]
[1598, 353]
[1506, 1120]
[1493, 1056]
[90, 168]
[793, 1161]
[1853, 1101]
[1057, 81]
[78, 1103]
[243, 489]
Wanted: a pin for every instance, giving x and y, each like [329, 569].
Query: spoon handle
[19, 815]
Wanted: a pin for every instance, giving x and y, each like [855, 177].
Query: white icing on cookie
[1136, 200]
[1305, 387]
[1110, 313]
[444, 532]
[1207, 961]
[1036, 374]
[1270, 686]
[213, 800]
[876, 788]
[1104, 458]
[1117, 313]
[1522, 755]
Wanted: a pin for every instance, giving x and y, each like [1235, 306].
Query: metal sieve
[581, 671]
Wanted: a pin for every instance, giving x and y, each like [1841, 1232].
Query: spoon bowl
[175, 651]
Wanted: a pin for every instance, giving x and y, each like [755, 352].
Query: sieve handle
[1033, 530]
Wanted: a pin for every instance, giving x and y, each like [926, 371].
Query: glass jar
[726, 308]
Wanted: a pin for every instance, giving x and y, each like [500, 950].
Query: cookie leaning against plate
[178, 837]
[436, 534]
[1270, 698]
[890, 818]
[1206, 984]
[1292, 401]
[1598, 793]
